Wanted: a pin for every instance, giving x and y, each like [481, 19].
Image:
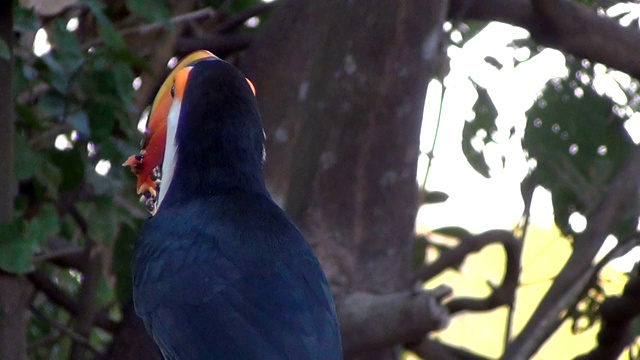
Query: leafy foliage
[75, 113]
[479, 129]
[577, 141]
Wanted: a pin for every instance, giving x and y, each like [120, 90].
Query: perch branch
[432, 349]
[371, 321]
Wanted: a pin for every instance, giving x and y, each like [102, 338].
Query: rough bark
[13, 290]
[341, 86]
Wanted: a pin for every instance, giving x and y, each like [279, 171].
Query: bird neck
[224, 161]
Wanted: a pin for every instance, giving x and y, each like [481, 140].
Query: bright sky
[477, 203]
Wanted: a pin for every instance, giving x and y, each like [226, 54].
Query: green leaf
[25, 20]
[122, 255]
[577, 141]
[481, 128]
[107, 32]
[475, 157]
[27, 162]
[453, 231]
[71, 166]
[80, 121]
[151, 10]
[435, 197]
[5, 53]
[102, 225]
[51, 105]
[43, 226]
[15, 249]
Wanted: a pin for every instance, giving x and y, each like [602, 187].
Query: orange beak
[146, 165]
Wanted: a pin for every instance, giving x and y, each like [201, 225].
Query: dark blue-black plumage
[220, 272]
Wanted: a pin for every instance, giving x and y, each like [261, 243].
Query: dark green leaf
[122, 255]
[435, 197]
[107, 31]
[43, 226]
[25, 20]
[15, 249]
[151, 10]
[577, 141]
[5, 53]
[80, 121]
[51, 105]
[481, 128]
[453, 231]
[27, 162]
[71, 166]
[103, 226]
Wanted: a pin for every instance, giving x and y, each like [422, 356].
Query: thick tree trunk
[13, 290]
[341, 87]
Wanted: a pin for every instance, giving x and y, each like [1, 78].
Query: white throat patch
[170, 151]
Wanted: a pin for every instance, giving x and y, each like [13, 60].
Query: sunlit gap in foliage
[172, 62]
[72, 24]
[142, 121]
[252, 22]
[136, 83]
[103, 166]
[41, 44]
[63, 142]
[577, 222]
[624, 263]
[631, 10]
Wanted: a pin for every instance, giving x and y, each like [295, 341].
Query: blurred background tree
[341, 86]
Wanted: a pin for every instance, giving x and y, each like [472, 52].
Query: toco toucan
[219, 270]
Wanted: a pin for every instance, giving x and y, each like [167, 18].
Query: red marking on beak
[153, 147]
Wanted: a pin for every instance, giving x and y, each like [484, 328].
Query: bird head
[207, 93]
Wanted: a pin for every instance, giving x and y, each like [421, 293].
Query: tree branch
[432, 349]
[238, 19]
[562, 24]
[60, 298]
[371, 321]
[77, 338]
[503, 294]
[614, 205]
[618, 314]
[178, 19]
[454, 257]
[62, 253]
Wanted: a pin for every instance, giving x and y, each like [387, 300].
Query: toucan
[219, 270]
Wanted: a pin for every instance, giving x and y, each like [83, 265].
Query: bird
[219, 269]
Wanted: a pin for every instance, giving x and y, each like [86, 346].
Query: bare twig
[77, 338]
[62, 253]
[238, 19]
[178, 19]
[161, 54]
[454, 257]
[61, 298]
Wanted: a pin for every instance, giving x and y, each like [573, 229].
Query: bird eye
[173, 90]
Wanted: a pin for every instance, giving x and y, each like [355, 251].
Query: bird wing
[239, 282]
